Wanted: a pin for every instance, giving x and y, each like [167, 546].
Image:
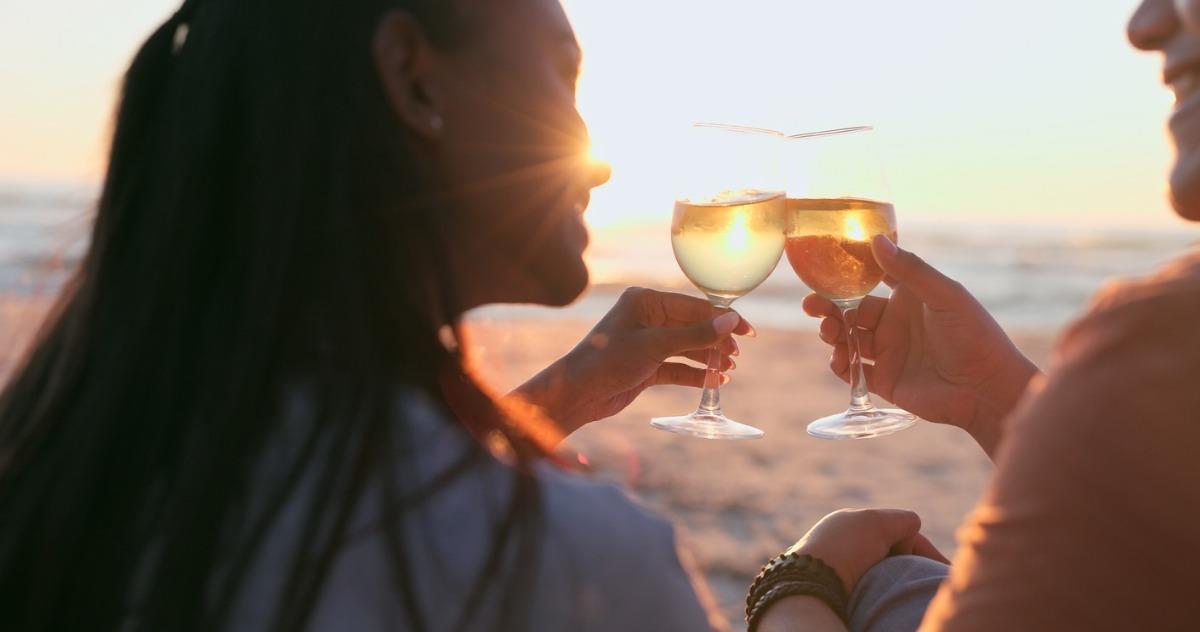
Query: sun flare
[738, 236]
[854, 229]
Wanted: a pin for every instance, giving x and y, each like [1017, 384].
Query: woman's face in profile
[1173, 27]
[515, 152]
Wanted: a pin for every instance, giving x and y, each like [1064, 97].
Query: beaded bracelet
[793, 574]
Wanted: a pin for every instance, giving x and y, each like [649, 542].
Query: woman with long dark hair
[251, 407]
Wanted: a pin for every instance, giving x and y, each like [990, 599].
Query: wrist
[810, 548]
[548, 391]
[800, 612]
[794, 574]
[999, 397]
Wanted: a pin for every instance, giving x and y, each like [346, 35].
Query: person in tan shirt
[1092, 520]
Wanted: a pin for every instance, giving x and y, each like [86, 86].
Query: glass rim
[833, 132]
[741, 129]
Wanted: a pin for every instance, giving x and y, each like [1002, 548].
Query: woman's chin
[564, 274]
[564, 284]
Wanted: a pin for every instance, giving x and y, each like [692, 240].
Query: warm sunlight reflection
[738, 235]
[592, 156]
[853, 228]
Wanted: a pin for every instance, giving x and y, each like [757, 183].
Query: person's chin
[1185, 185]
[565, 276]
[564, 282]
[1184, 126]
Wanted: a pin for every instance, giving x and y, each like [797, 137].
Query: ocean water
[1030, 277]
[43, 234]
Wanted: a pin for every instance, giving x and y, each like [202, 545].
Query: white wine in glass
[836, 207]
[729, 245]
[727, 240]
[829, 244]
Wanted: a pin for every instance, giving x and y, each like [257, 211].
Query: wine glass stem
[710, 398]
[860, 398]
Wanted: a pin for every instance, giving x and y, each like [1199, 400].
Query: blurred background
[1024, 142]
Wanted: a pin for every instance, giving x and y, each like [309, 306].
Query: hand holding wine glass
[837, 203]
[728, 235]
[631, 349]
[936, 351]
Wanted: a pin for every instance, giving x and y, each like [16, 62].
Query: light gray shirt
[604, 562]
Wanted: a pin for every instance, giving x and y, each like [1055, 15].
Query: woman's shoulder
[574, 501]
[603, 560]
[624, 561]
[579, 502]
[595, 510]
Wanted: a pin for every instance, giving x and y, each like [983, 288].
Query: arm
[629, 351]
[936, 351]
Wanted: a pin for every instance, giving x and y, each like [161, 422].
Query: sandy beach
[739, 502]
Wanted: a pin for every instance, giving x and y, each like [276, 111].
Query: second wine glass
[837, 203]
[728, 235]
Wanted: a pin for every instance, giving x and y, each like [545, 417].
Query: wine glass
[837, 203]
[728, 236]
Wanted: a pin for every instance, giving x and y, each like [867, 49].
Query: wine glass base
[874, 422]
[707, 426]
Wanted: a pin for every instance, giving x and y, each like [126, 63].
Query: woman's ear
[407, 66]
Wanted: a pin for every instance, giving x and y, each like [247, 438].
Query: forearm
[549, 391]
[800, 614]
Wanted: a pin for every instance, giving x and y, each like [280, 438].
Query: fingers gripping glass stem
[728, 234]
[861, 420]
[860, 397]
[710, 399]
[709, 422]
[837, 204]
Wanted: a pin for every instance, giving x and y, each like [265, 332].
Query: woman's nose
[599, 172]
[1153, 24]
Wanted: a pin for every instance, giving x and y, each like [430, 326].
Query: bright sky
[987, 111]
